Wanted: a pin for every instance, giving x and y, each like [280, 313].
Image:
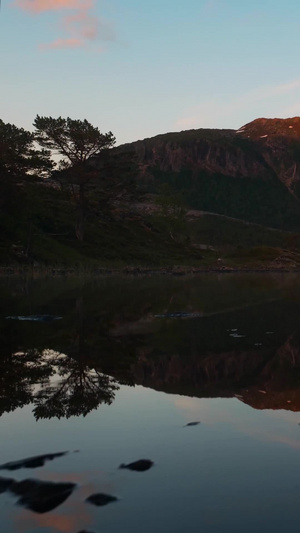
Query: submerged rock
[5, 483]
[36, 318]
[38, 496]
[100, 499]
[41, 496]
[138, 466]
[31, 462]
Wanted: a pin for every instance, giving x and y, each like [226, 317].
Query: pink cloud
[39, 6]
[81, 24]
[79, 27]
[62, 43]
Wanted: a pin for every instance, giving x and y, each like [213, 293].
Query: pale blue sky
[140, 68]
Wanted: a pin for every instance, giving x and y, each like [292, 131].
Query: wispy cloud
[212, 112]
[39, 6]
[62, 43]
[79, 26]
[292, 110]
[268, 91]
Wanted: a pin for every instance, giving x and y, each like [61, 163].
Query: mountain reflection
[243, 341]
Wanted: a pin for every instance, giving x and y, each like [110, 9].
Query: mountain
[252, 173]
[200, 198]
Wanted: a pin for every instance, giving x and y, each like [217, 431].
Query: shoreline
[141, 271]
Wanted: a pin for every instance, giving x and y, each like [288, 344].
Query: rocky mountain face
[219, 169]
[263, 148]
[210, 150]
[278, 141]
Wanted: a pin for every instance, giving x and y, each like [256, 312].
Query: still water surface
[118, 376]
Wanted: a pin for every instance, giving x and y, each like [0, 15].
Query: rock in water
[5, 484]
[192, 424]
[138, 466]
[84, 531]
[41, 496]
[38, 496]
[31, 462]
[100, 499]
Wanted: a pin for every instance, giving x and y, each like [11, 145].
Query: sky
[139, 68]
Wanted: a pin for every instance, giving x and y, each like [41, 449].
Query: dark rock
[138, 466]
[41, 496]
[5, 483]
[31, 462]
[101, 499]
[192, 424]
[84, 531]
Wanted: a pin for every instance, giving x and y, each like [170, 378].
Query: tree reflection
[19, 372]
[72, 379]
[57, 385]
[78, 390]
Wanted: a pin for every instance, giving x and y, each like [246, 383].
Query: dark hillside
[37, 228]
[252, 173]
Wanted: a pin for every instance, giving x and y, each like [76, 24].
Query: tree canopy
[18, 154]
[75, 140]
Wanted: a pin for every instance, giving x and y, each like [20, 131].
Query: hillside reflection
[240, 337]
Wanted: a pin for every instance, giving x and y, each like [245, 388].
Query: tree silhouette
[18, 154]
[75, 141]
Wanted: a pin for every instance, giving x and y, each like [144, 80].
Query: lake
[199, 374]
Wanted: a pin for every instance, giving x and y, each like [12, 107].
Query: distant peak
[261, 128]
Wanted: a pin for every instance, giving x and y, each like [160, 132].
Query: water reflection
[56, 384]
[79, 390]
[225, 349]
[236, 337]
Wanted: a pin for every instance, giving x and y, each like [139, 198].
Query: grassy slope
[45, 224]
[219, 231]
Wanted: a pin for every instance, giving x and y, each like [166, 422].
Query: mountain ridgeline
[252, 173]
